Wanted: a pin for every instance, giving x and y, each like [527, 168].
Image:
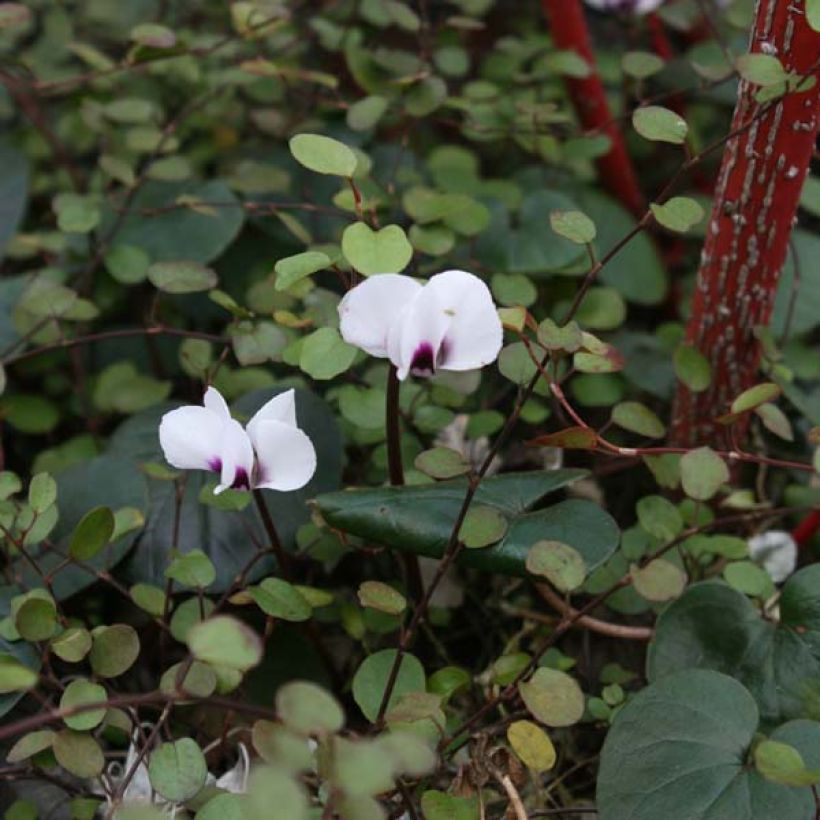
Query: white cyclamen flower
[449, 323]
[636, 6]
[271, 452]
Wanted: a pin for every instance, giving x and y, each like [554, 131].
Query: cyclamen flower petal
[636, 6]
[236, 456]
[371, 310]
[450, 323]
[192, 452]
[280, 408]
[272, 452]
[285, 456]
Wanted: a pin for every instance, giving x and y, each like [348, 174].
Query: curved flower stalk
[448, 323]
[271, 452]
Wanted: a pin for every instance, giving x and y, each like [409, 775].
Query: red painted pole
[756, 199]
[807, 528]
[569, 31]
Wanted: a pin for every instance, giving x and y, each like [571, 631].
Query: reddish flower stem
[569, 31]
[755, 205]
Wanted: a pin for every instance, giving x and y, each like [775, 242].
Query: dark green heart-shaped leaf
[713, 626]
[391, 516]
[678, 750]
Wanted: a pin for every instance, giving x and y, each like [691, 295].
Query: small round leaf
[177, 771]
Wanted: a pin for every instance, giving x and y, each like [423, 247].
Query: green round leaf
[177, 770]
[224, 806]
[755, 397]
[36, 619]
[92, 533]
[559, 563]
[199, 681]
[72, 645]
[692, 368]
[653, 122]
[80, 693]
[637, 418]
[516, 364]
[365, 113]
[566, 338]
[293, 269]
[182, 277]
[193, 569]
[659, 580]
[761, 69]
[782, 763]
[42, 492]
[602, 309]
[659, 517]
[748, 578]
[279, 599]
[702, 473]
[371, 678]
[149, 598]
[442, 463]
[30, 744]
[573, 225]
[277, 744]
[381, 597]
[15, 676]
[325, 354]
[372, 252]
[114, 650]
[482, 526]
[553, 697]
[78, 753]
[438, 805]
[323, 155]
[680, 213]
[225, 641]
[153, 35]
[308, 709]
[641, 64]
[271, 788]
[532, 745]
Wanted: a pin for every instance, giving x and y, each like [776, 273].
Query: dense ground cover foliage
[409, 409]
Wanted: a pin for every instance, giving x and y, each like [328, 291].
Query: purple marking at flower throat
[240, 479]
[423, 362]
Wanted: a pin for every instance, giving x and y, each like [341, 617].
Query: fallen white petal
[637, 6]
[776, 550]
